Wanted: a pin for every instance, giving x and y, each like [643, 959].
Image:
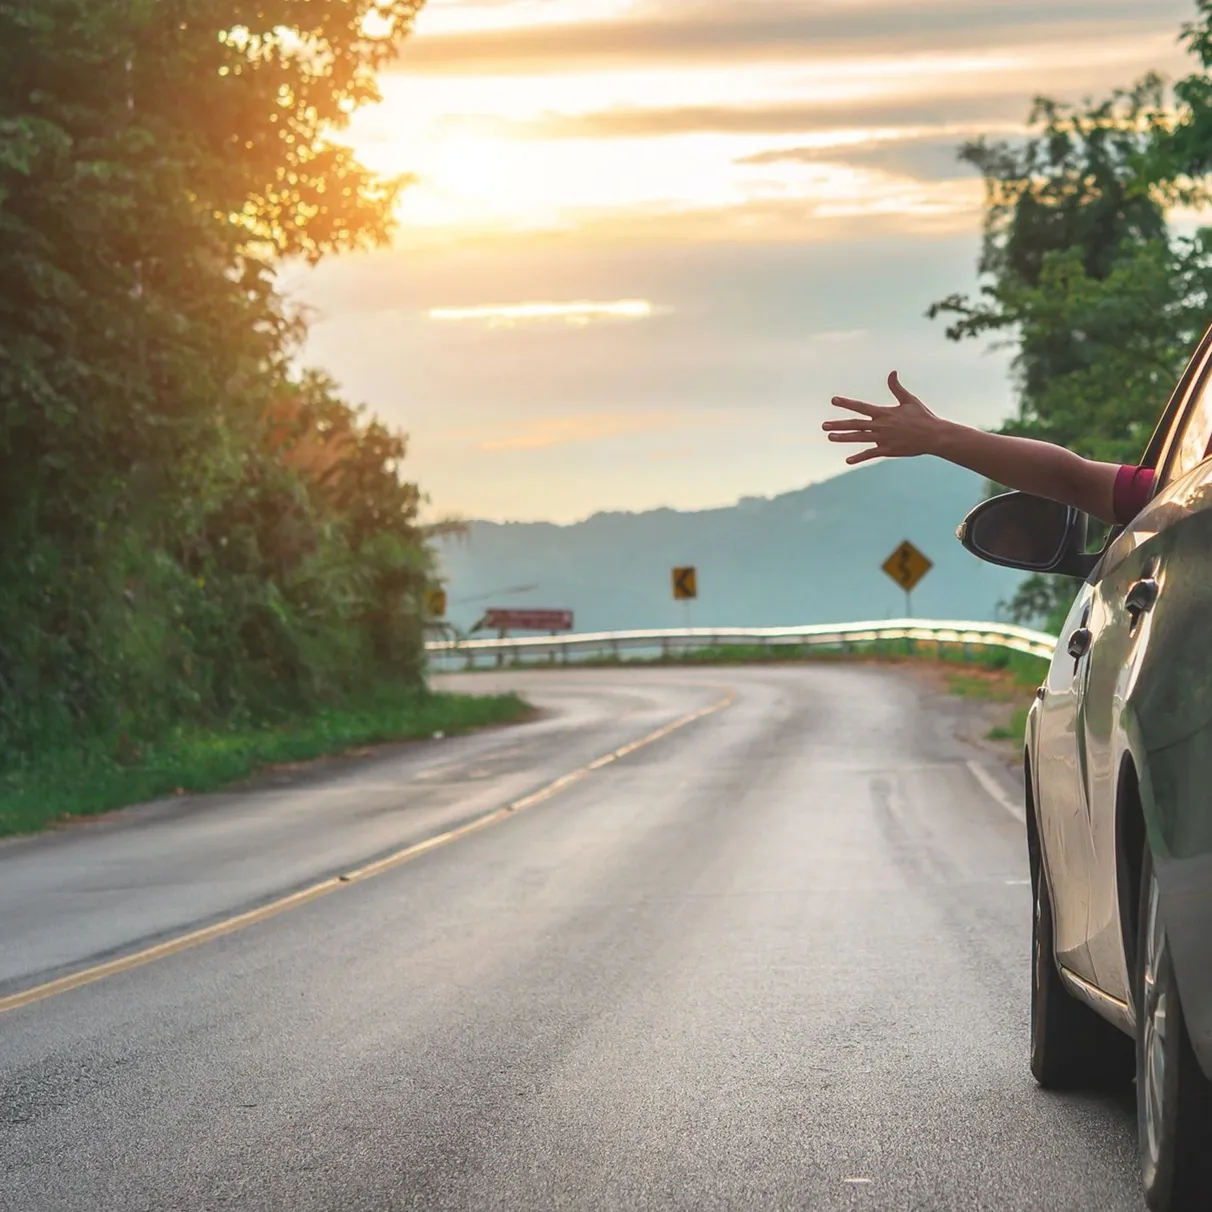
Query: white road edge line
[990, 784]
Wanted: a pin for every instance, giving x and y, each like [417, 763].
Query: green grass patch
[970, 686]
[978, 669]
[1015, 730]
[99, 778]
[999, 680]
[723, 654]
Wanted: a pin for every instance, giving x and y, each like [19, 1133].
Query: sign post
[906, 566]
[685, 589]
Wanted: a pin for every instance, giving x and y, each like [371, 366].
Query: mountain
[808, 556]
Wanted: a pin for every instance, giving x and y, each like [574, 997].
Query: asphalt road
[774, 960]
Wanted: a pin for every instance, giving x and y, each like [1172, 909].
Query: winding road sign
[906, 566]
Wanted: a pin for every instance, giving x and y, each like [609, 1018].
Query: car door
[1127, 590]
[1060, 797]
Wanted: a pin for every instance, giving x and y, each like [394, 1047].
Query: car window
[1190, 442]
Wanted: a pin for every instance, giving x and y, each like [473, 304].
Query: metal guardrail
[684, 639]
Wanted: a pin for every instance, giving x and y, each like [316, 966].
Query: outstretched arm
[909, 428]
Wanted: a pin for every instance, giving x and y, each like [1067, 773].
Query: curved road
[775, 959]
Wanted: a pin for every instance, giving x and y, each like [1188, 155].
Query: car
[1118, 783]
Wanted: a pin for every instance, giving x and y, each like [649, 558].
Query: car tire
[1173, 1098]
[1071, 1046]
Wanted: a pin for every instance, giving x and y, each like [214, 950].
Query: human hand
[896, 431]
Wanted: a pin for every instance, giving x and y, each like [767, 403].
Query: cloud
[734, 375]
[841, 336]
[922, 156]
[899, 208]
[782, 30]
[578, 314]
[997, 105]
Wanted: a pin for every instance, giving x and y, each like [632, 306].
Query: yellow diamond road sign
[906, 566]
[685, 584]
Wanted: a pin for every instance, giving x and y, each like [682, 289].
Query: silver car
[1118, 764]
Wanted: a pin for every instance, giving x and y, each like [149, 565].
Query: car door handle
[1079, 642]
[1141, 597]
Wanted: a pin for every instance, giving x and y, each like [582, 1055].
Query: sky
[649, 239]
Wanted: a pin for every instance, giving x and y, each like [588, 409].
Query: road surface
[774, 959]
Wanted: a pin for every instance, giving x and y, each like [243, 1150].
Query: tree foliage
[191, 528]
[1081, 275]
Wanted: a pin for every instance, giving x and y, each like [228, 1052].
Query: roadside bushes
[256, 601]
[193, 531]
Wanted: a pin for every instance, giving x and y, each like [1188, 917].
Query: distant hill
[809, 556]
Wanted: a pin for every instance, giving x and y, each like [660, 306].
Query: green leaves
[1081, 276]
[162, 559]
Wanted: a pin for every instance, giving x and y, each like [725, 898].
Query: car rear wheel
[1071, 1047]
[1173, 1098]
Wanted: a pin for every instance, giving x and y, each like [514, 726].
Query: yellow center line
[229, 925]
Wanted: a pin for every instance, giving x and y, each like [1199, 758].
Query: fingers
[860, 406]
[863, 456]
[894, 386]
[849, 425]
[857, 436]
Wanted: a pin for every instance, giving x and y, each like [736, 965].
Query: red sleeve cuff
[1133, 487]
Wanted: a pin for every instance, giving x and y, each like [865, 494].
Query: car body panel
[1140, 698]
[1142, 694]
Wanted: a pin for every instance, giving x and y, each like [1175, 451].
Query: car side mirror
[1017, 530]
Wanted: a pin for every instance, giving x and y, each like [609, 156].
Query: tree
[1081, 275]
[159, 559]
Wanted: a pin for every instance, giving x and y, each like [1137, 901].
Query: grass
[1013, 731]
[758, 654]
[87, 781]
[1014, 683]
[981, 672]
